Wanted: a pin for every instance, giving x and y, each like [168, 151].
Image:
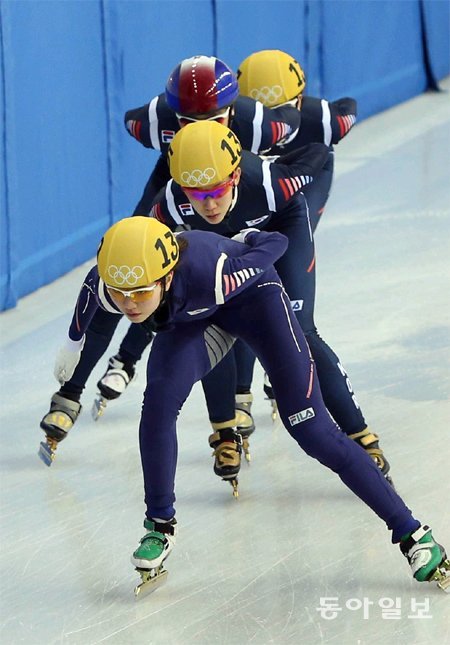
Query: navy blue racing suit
[223, 289]
[325, 122]
[321, 121]
[278, 185]
[269, 196]
[257, 127]
[260, 130]
[272, 131]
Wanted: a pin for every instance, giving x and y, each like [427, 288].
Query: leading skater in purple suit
[199, 291]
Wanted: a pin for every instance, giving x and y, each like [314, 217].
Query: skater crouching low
[197, 290]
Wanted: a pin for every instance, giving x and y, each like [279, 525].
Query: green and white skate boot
[155, 547]
[245, 424]
[426, 557]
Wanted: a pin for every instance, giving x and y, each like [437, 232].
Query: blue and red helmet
[201, 85]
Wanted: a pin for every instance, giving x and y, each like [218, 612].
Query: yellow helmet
[203, 154]
[135, 252]
[271, 76]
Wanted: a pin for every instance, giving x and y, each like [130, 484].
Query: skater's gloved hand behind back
[67, 359]
[240, 237]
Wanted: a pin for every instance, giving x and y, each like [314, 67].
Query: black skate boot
[427, 558]
[244, 420]
[113, 383]
[369, 441]
[227, 444]
[56, 424]
[268, 391]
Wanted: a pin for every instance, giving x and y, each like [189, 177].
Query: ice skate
[112, 384]
[244, 421]
[369, 441]
[149, 557]
[268, 391]
[56, 424]
[227, 444]
[427, 558]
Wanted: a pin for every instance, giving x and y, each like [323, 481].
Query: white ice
[253, 570]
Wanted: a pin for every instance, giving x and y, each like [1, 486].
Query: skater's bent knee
[323, 441]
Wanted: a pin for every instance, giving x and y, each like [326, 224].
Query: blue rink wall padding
[69, 70]
[377, 76]
[436, 15]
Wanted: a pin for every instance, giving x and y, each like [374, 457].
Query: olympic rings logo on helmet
[198, 177]
[267, 95]
[125, 274]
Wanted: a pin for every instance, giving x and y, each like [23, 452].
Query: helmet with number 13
[272, 77]
[203, 154]
[141, 246]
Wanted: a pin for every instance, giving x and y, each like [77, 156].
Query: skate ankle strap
[117, 371]
[161, 527]
[244, 398]
[60, 403]
[224, 425]
[414, 538]
[118, 363]
[365, 438]
[227, 434]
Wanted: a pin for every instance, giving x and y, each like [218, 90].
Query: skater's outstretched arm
[93, 295]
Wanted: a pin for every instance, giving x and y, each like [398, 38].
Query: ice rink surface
[257, 570]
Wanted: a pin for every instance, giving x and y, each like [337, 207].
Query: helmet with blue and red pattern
[201, 85]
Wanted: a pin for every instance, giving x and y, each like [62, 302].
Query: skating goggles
[136, 295]
[215, 193]
[221, 117]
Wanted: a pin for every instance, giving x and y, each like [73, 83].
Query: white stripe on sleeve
[326, 122]
[257, 127]
[267, 183]
[153, 120]
[171, 203]
[220, 298]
